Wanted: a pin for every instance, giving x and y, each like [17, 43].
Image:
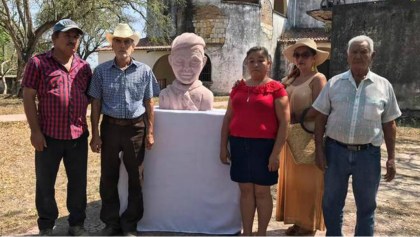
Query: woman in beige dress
[300, 186]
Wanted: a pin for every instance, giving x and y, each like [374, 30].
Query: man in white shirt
[357, 109]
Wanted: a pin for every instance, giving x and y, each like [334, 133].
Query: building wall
[240, 27]
[394, 27]
[229, 29]
[297, 17]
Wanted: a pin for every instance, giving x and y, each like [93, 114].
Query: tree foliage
[4, 39]
[26, 28]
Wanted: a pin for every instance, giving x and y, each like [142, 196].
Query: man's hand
[38, 141]
[390, 170]
[150, 140]
[96, 144]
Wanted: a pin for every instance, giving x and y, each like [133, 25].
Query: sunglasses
[303, 55]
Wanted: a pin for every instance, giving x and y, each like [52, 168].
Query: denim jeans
[365, 168]
[47, 162]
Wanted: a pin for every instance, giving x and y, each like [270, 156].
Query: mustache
[71, 44]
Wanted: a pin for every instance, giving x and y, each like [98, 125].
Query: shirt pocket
[53, 80]
[136, 90]
[373, 109]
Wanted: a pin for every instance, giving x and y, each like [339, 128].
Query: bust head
[187, 57]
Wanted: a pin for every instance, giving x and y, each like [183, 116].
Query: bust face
[187, 63]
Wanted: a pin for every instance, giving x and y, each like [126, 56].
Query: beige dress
[300, 187]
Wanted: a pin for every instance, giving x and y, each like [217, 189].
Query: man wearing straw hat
[122, 90]
[357, 109]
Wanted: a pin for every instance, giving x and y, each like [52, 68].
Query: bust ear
[204, 61]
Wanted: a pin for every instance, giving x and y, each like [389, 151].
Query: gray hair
[361, 39]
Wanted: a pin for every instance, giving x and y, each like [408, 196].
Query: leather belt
[352, 147]
[122, 122]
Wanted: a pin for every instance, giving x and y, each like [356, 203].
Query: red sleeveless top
[253, 110]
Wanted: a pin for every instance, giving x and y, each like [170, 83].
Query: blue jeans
[365, 168]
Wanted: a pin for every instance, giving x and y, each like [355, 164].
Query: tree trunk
[16, 87]
[3, 77]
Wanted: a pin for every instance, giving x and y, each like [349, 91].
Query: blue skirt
[249, 160]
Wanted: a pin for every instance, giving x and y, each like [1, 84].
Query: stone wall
[230, 29]
[297, 17]
[210, 23]
[394, 27]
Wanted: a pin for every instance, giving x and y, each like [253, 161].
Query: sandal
[292, 230]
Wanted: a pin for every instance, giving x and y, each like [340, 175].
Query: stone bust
[187, 60]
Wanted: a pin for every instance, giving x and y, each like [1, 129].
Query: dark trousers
[47, 162]
[130, 140]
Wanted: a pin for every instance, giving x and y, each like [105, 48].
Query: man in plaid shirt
[59, 79]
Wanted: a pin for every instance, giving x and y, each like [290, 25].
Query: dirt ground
[397, 213]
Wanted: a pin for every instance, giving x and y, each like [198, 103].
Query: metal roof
[294, 34]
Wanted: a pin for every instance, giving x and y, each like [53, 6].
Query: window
[280, 6]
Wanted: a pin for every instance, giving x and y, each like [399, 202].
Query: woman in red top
[255, 124]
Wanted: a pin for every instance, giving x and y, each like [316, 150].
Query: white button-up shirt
[355, 114]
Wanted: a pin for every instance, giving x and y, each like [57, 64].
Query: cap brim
[72, 27]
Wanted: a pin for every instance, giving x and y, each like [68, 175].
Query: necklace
[253, 86]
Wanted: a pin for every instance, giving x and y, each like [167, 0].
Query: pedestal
[186, 188]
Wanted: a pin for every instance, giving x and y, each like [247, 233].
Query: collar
[76, 58]
[182, 87]
[49, 55]
[348, 76]
[132, 63]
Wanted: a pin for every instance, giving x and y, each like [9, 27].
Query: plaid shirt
[61, 94]
[123, 91]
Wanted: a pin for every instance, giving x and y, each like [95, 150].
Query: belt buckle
[353, 148]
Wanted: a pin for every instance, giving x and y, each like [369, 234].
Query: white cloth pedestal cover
[186, 188]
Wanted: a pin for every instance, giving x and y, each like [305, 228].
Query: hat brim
[135, 37]
[320, 56]
[71, 28]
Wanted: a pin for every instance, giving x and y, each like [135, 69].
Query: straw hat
[320, 56]
[123, 31]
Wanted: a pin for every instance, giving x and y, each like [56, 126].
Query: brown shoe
[130, 233]
[292, 230]
[110, 231]
[77, 230]
[46, 232]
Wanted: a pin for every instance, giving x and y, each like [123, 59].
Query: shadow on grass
[92, 223]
